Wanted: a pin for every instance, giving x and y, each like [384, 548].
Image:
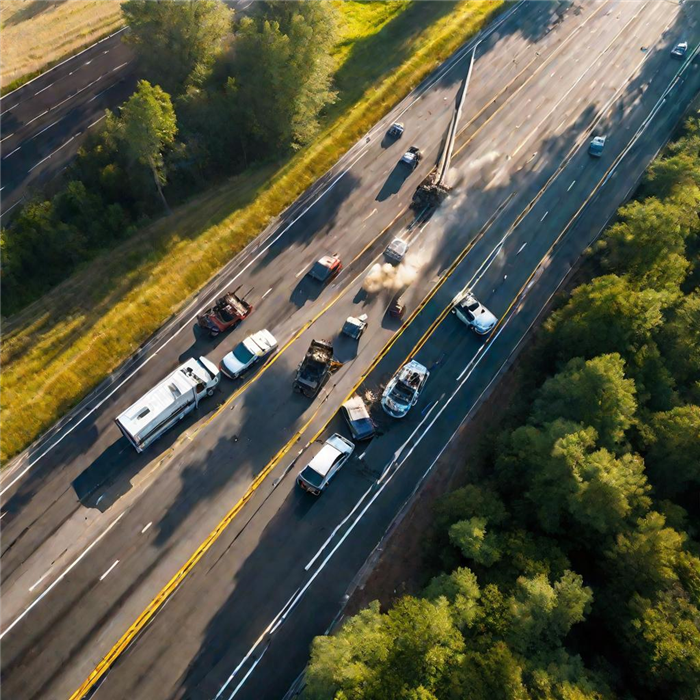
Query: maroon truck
[227, 313]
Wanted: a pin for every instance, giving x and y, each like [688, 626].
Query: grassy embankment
[37, 34]
[65, 344]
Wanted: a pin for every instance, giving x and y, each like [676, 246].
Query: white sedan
[316, 475]
[472, 313]
[247, 353]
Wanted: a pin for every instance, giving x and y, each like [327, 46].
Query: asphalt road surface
[44, 122]
[198, 569]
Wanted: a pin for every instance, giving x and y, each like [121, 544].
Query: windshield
[320, 271]
[242, 354]
[311, 477]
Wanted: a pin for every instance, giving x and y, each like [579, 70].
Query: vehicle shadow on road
[394, 182]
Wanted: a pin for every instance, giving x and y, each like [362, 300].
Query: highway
[44, 122]
[198, 569]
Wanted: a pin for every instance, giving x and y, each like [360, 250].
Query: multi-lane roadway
[198, 569]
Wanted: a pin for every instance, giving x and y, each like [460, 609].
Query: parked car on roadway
[680, 50]
[412, 157]
[396, 251]
[597, 146]
[471, 312]
[396, 130]
[247, 353]
[397, 307]
[326, 268]
[403, 390]
[358, 418]
[316, 475]
[355, 327]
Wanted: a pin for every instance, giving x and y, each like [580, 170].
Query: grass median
[62, 346]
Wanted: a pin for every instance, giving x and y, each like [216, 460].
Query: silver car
[396, 251]
[249, 351]
[403, 390]
[597, 145]
[472, 313]
[316, 475]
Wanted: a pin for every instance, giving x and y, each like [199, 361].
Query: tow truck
[228, 311]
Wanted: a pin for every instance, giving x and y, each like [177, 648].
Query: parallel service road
[93, 532]
[44, 122]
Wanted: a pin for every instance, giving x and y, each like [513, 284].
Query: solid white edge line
[70, 58]
[60, 578]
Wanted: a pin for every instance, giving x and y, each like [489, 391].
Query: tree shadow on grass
[30, 10]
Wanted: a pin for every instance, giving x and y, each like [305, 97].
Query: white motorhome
[168, 402]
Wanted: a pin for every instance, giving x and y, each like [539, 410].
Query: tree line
[569, 569]
[216, 95]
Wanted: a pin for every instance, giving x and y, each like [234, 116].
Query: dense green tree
[664, 641]
[673, 444]
[462, 591]
[410, 650]
[572, 481]
[607, 315]
[147, 127]
[677, 172]
[177, 42]
[290, 54]
[542, 613]
[645, 559]
[648, 242]
[681, 339]
[594, 393]
[475, 540]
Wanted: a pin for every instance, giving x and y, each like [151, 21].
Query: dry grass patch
[65, 344]
[37, 33]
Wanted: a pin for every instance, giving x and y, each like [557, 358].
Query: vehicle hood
[485, 321]
[232, 364]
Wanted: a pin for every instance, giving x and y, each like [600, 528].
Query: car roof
[326, 457]
[263, 339]
[412, 367]
[356, 408]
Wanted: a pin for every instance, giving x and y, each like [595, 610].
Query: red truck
[227, 313]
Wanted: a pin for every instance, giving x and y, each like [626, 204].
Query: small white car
[680, 50]
[470, 311]
[596, 147]
[403, 390]
[247, 353]
[396, 251]
[316, 475]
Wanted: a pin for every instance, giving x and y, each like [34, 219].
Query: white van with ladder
[168, 402]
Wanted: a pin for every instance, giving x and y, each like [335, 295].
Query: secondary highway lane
[44, 122]
[78, 573]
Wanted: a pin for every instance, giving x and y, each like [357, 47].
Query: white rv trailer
[168, 402]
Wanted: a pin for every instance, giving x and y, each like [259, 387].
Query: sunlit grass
[66, 343]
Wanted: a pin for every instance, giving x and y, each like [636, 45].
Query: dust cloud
[387, 276]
